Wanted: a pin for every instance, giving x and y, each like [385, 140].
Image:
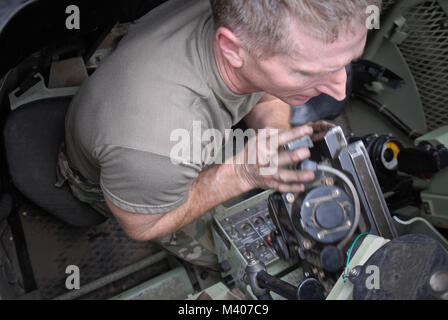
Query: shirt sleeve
[144, 182]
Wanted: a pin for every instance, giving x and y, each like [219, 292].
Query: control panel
[249, 230]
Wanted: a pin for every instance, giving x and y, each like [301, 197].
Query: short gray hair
[263, 25]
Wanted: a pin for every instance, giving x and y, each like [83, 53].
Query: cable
[350, 253]
[355, 199]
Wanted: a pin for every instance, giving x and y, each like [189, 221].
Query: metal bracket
[397, 35]
[38, 92]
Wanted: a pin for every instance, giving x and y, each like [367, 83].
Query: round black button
[389, 155]
[329, 215]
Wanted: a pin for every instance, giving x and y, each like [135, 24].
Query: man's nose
[336, 85]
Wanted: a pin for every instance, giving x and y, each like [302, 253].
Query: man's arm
[269, 112]
[217, 185]
[207, 191]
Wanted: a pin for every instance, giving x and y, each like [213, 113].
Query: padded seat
[32, 137]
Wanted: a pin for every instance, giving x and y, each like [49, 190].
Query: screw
[307, 204]
[307, 244]
[252, 262]
[349, 223]
[24, 213]
[290, 198]
[426, 208]
[354, 272]
[336, 193]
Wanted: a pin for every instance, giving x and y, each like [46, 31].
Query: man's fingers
[291, 157]
[294, 176]
[286, 136]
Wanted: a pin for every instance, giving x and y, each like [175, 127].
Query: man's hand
[268, 156]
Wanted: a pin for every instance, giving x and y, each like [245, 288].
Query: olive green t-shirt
[162, 77]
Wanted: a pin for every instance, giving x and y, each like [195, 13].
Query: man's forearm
[211, 188]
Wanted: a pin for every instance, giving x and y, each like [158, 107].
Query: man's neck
[230, 75]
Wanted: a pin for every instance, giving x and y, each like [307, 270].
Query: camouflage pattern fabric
[193, 243]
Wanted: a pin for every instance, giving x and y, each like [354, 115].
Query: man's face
[316, 68]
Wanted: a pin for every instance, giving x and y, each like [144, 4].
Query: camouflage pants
[193, 243]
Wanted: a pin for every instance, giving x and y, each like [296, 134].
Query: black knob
[225, 266]
[310, 289]
[389, 155]
[229, 281]
[331, 259]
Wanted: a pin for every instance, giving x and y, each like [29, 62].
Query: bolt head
[290, 198]
[354, 272]
[307, 244]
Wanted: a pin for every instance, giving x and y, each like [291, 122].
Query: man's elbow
[138, 227]
[147, 235]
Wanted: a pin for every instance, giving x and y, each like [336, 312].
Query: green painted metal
[419, 225]
[219, 291]
[436, 137]
[344, 290]
[404, 102]
[172, 285]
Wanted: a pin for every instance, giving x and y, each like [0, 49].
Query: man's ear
[230, 47]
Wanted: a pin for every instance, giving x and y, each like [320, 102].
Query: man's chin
[296, 100]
